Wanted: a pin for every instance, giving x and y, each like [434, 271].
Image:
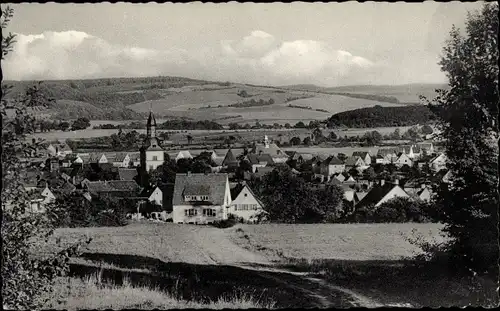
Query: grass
[375, 261]
[339, 241]
[91, 292]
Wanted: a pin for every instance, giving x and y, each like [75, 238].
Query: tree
[341, 156]
[80, 124]
[332, 136]
[427, 129]
[369, 174]
[468, 114]
[307, 141]
[295, 141]
[189, 139]
[25, 278]
[287, 125]
[64, 126]
[300, 124]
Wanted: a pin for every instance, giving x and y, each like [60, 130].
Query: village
[405, 171]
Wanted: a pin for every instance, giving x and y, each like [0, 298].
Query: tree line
[379, 116]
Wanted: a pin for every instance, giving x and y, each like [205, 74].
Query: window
[155, 158]
[209, 212]
[190, 212]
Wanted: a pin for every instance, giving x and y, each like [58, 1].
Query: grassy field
[91, 292]
[339, 241]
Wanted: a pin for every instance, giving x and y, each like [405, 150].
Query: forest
[379, 116]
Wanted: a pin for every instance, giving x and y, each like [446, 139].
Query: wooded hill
[379, 116]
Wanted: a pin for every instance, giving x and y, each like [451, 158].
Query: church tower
[152, 154]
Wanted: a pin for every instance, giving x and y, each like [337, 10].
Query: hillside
[406, 93]
[383, 116]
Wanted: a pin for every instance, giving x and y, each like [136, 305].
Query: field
[210, 103]
[317, 265]
[341, 241]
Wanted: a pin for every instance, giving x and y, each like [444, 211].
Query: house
[112, 188]
[354, 162]
[417, 152]
[230, 160]
[40, 197]
[438, 162]
[427, 148]
[301, 157]
[406, 149]
[380, 159]
[98, 158]
[245, 203]
[185, 154]
[403, 159]
[151, 153]
[162, 195]
[135, 159]
[424, 194]
[121, 159]
[382, 193]
[365, 156]
[332, 165]
[71, 159]
[272, 149]
[390, 154]
[127, 173]
[200, 198]
[413, 186]
[59, 150]
[259, 172]
[257, 161]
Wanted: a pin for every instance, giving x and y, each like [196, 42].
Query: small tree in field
[468, 114]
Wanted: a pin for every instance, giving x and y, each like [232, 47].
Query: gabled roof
[67, 188]
[127, 173]
[229, 159]
[352, 161]
[196, 189]
[404, 148]
[235, 192]
[333, 160]
[261, 171]
[215, 182]
[252, 158]
[361, 154]
[424, 145]
[218, 161]
[416, 149]
[134, 156]
[95, 187]
[376, 194]
[184, 154]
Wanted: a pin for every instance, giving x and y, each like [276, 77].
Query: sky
[326, 44]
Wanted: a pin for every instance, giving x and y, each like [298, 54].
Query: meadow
[340, 241]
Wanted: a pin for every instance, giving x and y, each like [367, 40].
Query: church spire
[151, 125]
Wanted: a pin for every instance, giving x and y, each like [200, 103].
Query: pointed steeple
[151, 126]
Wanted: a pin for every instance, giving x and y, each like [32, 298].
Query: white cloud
[256, 58]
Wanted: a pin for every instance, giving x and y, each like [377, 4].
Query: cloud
[256, 58]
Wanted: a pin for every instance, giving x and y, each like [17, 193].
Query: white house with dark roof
[200, 198]
[245, 203]
[40, 197]
[121, 159]
[354, 162]
[382, 193]
[403, 159]
[438, 162]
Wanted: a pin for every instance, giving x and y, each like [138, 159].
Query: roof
[414, 183]
[229, 159]
[272, 149]
[404, 148]
[67, 188]
[252, 158]
[184, 154]
[424, 145]
[127, 173]
[333, 160]
[116, 157]
[387, 151]
[94, 187]
[153, 144]
[261, 171]
[237, 190]
[352, 161]
[95, 157]
[129, 185]
[216, 184]
[361, 154]
[134, 157]
[376, 194]
[218, 161]
[195, 189]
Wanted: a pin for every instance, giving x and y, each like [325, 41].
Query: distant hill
[407, 93]
[379, 116]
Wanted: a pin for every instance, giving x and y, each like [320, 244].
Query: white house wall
[179, 216]
[249, 199]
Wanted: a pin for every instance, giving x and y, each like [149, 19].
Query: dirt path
[218, 246]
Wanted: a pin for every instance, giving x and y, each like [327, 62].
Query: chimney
[382, 182]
